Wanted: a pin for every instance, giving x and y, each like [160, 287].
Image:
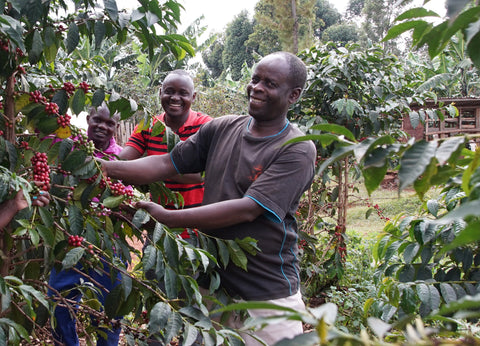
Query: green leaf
[72, 257]
[47, 125]
[61, 99]
[75, 219]
[111, 8]
[26, 289]
[78, 101]
[113, 301]
[35, 52]
[73, 160]
[433, 207]
[46, 232]
[149, 258]
[113, 201]
[334, 128]
[99, 31]
[170, 251]
[190, 334]
[448, 293]
[140, 218]
[73, 37]
[34, 237]
[408, 301]
[447, 148]
[236, 254]
[338, 154]
[416, 12]
[401, 28]
[414, 162]
[223, 252]
[98, 97]
[373, 177]
[17, 327]
[47, 217]
[469, 235]
[171, 288]
[465, 303]
[174, 326]
[85, 170]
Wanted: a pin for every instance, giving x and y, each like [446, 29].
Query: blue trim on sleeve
[294, 255]
[281, 259]
[269, 214]
[174, 165]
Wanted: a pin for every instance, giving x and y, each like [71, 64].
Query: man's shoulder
[197, 118]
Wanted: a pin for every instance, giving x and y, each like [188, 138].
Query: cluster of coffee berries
[69, 88]
[5, 45]
[379, 211]
[41, 170]
[37, 97]
[104, 183]
[90, 147]
[84, 86]
[20, 52]
[1, 105]
[51, 108]
[75, 240]
[145, 316]
[64, 120]
[24, 145]
[1, 133]
[118, 189]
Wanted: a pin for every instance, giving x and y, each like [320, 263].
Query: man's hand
[158, 212]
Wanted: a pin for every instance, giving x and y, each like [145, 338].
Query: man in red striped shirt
[176, 96]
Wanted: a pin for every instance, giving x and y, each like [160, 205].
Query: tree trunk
[9, 106]
[295, 27]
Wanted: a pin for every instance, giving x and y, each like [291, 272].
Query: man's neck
[267, 128]
[175, 123]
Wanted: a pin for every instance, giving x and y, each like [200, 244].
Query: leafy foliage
[89, 224]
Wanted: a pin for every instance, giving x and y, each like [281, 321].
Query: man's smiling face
[177, 95]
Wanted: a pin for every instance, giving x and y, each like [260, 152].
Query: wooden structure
[467, 122]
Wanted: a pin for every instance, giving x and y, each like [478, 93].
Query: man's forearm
[141, 171]
[7, 212]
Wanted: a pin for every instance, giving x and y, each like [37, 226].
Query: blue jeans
[65, 332]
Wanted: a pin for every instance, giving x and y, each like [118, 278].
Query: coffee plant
[89, 223]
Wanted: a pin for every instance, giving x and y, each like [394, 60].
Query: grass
[390, 204]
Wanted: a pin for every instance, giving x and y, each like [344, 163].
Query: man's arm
[129, 153]
[9, 208]
[211, 216]
[145, 170]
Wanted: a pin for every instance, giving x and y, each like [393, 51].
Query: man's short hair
[298, 70]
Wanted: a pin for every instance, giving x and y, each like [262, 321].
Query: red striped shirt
[144, 142]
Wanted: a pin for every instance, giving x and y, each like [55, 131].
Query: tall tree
[212, 55]
[293, 20]
[378, 17]
[326, 15]
[236, 52]
[342, 33]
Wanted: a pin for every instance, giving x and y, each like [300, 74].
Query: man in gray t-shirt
[253, 183]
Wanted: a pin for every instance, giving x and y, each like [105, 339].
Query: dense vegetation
[423, 284]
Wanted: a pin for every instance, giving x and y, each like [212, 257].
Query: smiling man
[176, 96]
[253, 184]
[101, 128]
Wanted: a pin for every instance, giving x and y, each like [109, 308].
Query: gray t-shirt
[237, 164]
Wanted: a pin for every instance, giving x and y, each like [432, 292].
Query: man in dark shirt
[253, 184]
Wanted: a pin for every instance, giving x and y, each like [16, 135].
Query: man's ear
[194, 96]
[295, 95]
